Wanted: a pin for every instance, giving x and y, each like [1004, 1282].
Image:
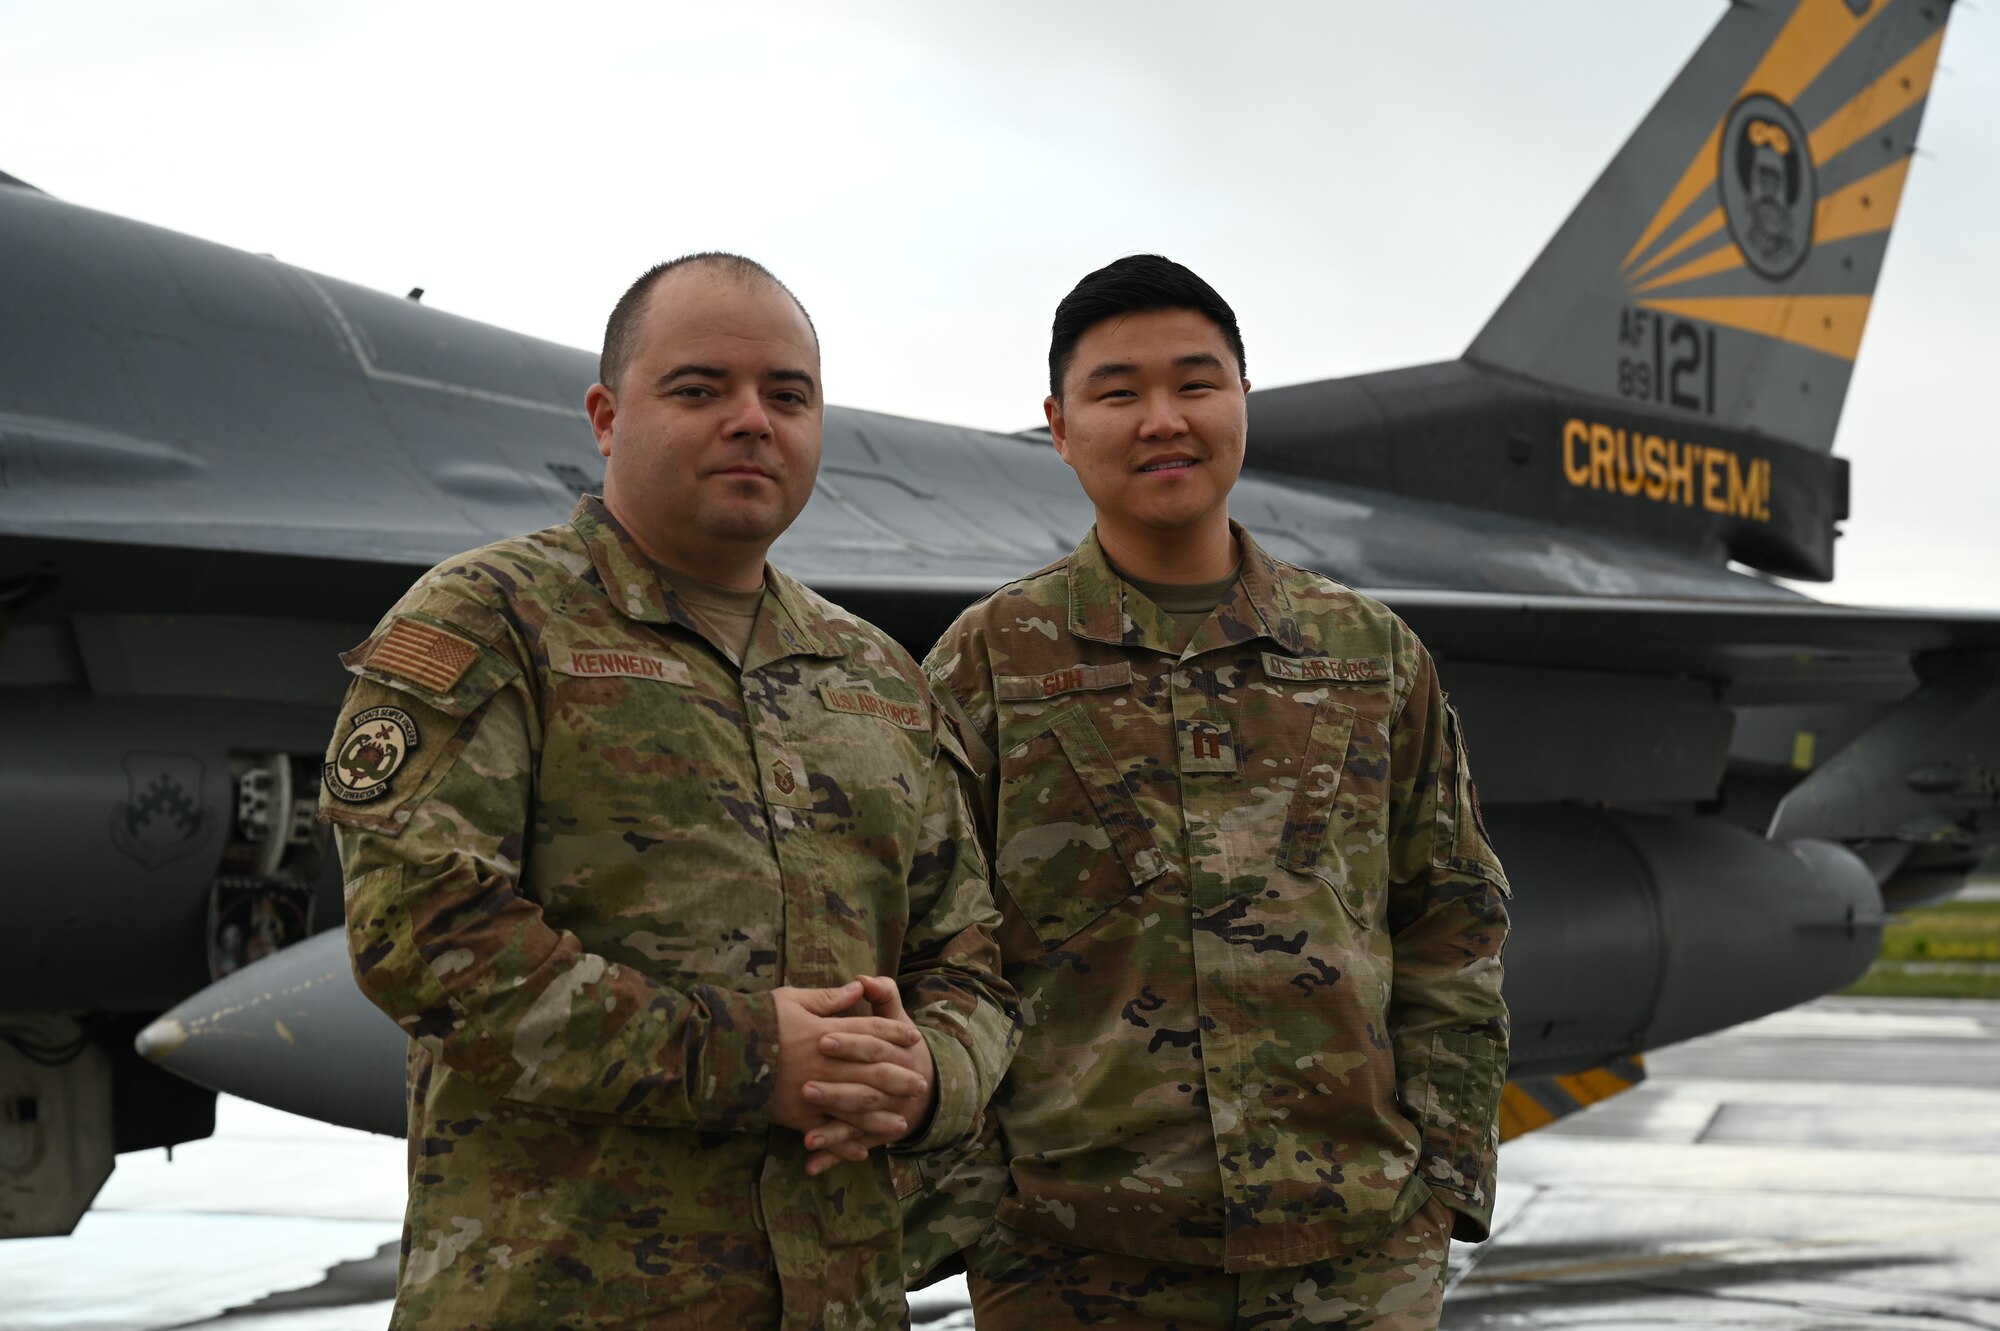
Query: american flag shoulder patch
[426, 656]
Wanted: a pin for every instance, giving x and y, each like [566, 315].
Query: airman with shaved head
[663, 863]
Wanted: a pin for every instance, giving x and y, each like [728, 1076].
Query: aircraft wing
[1749, 642]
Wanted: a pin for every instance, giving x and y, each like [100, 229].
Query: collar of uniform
[632, 582]
[1104, 608]
[636, 588]
[1259, 604]
[792, 624]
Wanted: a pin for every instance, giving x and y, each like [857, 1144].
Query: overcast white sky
[1363, 181]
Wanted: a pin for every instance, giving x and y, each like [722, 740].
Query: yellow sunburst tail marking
[1531, 1103]
[1829, 324]
[1866, 206]
[1906, 83]
[1817, 31]
[1715, 261]
[1862, 208]
[1709, 223]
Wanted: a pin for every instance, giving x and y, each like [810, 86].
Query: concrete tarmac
[1837, 1166]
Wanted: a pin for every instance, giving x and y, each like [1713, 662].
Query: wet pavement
[1837, 1166]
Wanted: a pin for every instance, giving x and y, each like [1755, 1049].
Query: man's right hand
[805, 1017]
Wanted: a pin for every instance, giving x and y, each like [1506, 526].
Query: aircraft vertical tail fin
[1723, 265]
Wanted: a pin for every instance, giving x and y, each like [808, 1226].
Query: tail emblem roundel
[1767, 185]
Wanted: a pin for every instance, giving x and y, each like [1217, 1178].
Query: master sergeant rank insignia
[382, 740]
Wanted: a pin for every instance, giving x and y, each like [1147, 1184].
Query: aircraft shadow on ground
[345, 1284]
[1583, 1276]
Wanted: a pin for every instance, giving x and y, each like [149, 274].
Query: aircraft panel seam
[376, 372]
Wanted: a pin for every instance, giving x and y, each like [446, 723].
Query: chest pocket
[1074, 842]
[864, 747]
[628, 726]
[1336, 825]
[1109, 796]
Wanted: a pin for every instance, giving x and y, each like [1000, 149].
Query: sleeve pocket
[1458, 1114]
[395, 736]
[947, 1199]
[456, 687]
[1459, 842]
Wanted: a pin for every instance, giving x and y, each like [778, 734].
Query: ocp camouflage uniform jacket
[596, 851]
[1251, 912]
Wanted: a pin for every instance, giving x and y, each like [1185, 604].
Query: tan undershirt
[729, 616]
[1187, 603]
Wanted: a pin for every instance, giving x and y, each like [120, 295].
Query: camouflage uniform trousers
[743, 1293]
[1023, 1283]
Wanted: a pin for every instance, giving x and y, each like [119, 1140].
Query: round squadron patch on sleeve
[372, 755]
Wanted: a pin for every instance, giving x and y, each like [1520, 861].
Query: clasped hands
[850, 1083]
